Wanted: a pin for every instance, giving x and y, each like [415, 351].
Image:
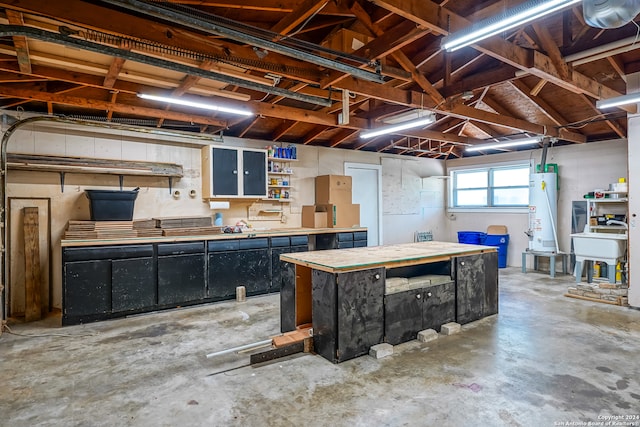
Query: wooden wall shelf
[63, 165]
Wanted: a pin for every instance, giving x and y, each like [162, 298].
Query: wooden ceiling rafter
[20, 42]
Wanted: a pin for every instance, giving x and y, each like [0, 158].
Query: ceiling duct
[610, 13]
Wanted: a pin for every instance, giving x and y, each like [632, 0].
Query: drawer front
[359, 235]
[345, 237]
[279, 242]
[223, 245]
[254, 243]
[180, 248]
[107, 252]
[299, 240]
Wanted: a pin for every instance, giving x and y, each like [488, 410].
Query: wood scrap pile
[99, 230]
[150, 227]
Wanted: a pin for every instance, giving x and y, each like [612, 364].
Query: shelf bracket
[62, 182]
[121, 179]
[170, 185]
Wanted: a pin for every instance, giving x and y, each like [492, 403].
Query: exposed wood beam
[342, 136]
[20, 42]
[313, 134]
[612, 124]
[549, 45]
[399, 56]
[540, 103]
[105, 105]
[538, 87]
[247, 128]
[430, 15]
[297, 16]
[114, 96]
[281, 130]
[387, 43]
[114, 71]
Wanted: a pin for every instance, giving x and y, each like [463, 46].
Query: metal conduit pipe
[201, 139]
[16, 30]
[219, 30]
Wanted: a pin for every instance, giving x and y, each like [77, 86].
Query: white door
[367, 192]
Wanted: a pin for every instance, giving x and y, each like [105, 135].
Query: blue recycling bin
[501, 241]
[471, 237]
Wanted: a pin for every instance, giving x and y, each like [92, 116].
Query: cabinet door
[228, 270]
[87, 290]
[133, 284]
[477, 286]
[225, 172]
[254, 173]
[439, 305]
[403, 316]
[181, 278]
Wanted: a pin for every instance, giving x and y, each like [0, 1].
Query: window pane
[511, 197]
[472, 198]
[510, 177]
[473, 179]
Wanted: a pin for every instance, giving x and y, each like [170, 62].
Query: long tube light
[515, 17]
[194, 104]
[385, 130]
[630, 98]
[503, 144]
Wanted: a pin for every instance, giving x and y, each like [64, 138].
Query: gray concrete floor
[543, 360]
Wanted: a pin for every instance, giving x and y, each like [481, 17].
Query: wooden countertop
[339, 260]
[245, 235]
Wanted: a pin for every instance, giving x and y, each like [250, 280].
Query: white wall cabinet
[230, 172]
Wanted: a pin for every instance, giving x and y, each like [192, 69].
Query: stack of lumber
[151, 227]
[99, 230]
[183, 222]
[186, 226]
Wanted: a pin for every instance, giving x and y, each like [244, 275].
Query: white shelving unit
[615, 204]
[279, 174]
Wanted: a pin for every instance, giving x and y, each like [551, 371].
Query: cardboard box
[333, 190]
[313, 219]
[344, 215]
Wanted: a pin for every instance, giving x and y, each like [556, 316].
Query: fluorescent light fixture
[630, 98]
[414, 114]
[503, 144]
[507, 20]
[430, 118]
[194, 104]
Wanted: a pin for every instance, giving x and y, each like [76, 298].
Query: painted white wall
[410, 203]
[582, 168]
[633, 85]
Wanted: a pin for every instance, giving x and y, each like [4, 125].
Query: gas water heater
[543, 212]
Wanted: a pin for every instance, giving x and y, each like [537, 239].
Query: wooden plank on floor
[591, 299]
[276, 353]
[33, 281]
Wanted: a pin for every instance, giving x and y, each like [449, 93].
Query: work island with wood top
[359, 297]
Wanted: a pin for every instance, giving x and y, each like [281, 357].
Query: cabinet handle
[428, 294]
[418, 296]
[377, 276]
[246, 172]
[462, 263]
[235, 172]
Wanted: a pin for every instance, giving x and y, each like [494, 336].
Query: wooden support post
[33, 282]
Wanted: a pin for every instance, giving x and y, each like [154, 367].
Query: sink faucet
[615, 221]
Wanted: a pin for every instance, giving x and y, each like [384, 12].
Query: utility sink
[606, 247]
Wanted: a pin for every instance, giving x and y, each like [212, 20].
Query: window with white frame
[491, 187]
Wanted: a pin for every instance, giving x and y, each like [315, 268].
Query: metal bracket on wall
[62, 182]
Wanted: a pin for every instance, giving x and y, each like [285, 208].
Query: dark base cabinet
[348, 312]
[181, 273]
[342, 240]
[425, 307]
[284, 245]
[477, 286]
[104, 282]
[234, 263]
